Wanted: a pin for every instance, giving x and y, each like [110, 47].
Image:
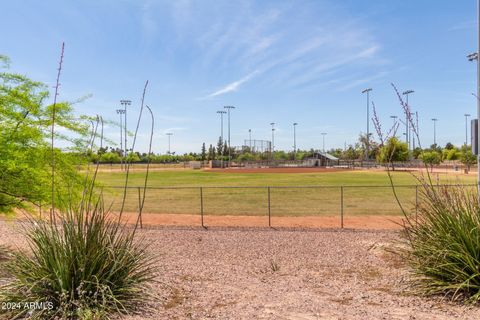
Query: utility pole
[229, 146]
[125, 103]
[367, 91]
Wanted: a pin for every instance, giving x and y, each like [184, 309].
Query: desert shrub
[87, 266]
[444, 242]
[4, 255]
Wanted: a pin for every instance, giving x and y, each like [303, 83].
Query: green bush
[86, 265]
[394, 150]
[431, 158]
[444, 242]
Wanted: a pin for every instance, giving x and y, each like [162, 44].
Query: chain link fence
[331, 206]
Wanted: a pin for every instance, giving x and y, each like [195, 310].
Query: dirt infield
[377, 222]
[277, 170]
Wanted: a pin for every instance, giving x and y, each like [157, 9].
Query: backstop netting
[258, 145]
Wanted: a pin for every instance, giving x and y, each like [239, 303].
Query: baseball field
[247, 197]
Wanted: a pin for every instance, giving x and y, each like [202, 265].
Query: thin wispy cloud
[173, 130]
[233, 86]
[361, 81]
[168, 118]
[290, 45]
[464, 25]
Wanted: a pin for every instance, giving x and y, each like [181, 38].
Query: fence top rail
[291, 187]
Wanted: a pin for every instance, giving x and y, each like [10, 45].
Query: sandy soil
[229, 274]
[354, 222]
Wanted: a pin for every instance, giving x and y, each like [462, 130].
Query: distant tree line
[393, 151]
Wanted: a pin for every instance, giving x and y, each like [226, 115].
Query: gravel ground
[280, 274]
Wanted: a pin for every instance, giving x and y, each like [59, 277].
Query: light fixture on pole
[295, 141]
[221, 112]
[394, 130]
[250, 139]
[466, 129]
[435, 131]
[169, 134]
[417, 129]
[229, 146]
[272, 147]
[407, 120]
[472, 57]
[121, 112]
[367, 91]
[323, 136]
[125, 103]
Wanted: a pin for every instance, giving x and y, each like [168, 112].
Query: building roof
[325, 155]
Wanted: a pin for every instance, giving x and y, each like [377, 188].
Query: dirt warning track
[278, 170]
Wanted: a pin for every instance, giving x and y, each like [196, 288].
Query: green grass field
[291, 194]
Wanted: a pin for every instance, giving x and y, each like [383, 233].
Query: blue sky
[275, 61]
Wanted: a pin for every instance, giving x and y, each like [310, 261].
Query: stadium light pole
[367, 91]
[323, 147]
[435, 131]
[221, 112]
[295, 140]
[125, 103]
[466, 129]
[121, 112]
[394, 125]
[407, 127]
[272, 147]
[169, 134]
[472, 57]
[229, 146]
[250, 138]
[412, 131]
[417, 129]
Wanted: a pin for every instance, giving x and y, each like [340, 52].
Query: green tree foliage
[352, 153]
[431, 158]
[450, 154]
[436, 147]
[133, 157]
[467, 158]
[110, 157]
[247, 156]
[225, 149]
[204, 152]
[211, 153]
[25, 155]
[394, 150]
[416, 152]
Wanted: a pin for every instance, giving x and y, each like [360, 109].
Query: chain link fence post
[201, 206]
[140, 209]
[341, 207]
[416, 203]
[269, 209]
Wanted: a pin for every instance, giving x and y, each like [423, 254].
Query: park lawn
[287, 196]
[197, 178]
